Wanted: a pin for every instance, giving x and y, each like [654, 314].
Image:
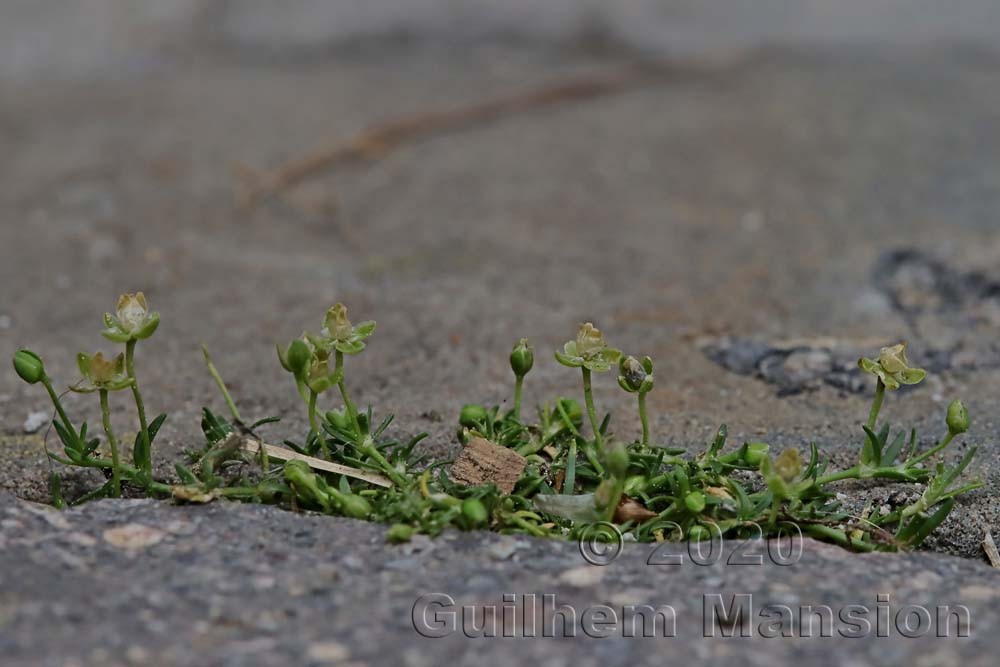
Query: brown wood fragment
[482, 462]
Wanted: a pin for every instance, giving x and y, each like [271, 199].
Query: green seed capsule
[354, 506]
[522, 358]
[755, 453]
[695, 501]
[698, 533]
[474, 511]
[617, 459]
[28, 366]
[338, 420]
[958, 418]
[298, 356]
[635, 485]
[399, 533]
[472, 415]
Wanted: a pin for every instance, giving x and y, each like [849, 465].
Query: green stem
[518, 382]
[876, 404]
[142, 455]
[642, 418]
[851, 473]
[222, 385]
[569, 481]
[588, 397]
[56, 402]
[368, 449]
[314, 425]
[934, 450]
[352, 412]
[112, 442]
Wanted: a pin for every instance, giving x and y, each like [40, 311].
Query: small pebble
[35, 422]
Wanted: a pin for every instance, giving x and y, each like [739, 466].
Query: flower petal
[572, 361]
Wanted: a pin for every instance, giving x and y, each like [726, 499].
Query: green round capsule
[695, 501]
[635, 485]
[474, 511]
[338, 420]
[28, 366]
[399, 533]
[617, 460]
[755, 452]
[698, 533]
[472, 415]
[958, 418]
[298, 356]
[355, 506]
[522, 358]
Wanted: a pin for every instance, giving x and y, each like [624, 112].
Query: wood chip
[482, 462]
[282, 454]
[991, 550]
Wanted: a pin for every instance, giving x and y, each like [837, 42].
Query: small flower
[522, 358]
[788, 465]
[636, 376]
[28, 366]
[339, 334]
[131, 321]
[588, 351]
[892, 367]
[100, 373]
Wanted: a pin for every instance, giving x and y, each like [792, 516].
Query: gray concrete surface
[763, 192]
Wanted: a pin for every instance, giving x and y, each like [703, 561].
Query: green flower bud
[522, 358]
[298, 356]
[695, 501]
[399, 533]
[635, 485]
[617, 459]
[29, 366]
[698, 533]
[354, 506]
[338, 420]
[755, 452]
[472, 415]
[958, 418]
[474, 511]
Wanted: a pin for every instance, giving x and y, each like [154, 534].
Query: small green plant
[647, 490]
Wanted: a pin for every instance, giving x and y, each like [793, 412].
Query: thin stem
[876, 404]
[352, 412]
[222, 385]
[588, 397]
[142, 455]
[55, 401]
[314, 425]
[368, 448]
[112, 442]
[569, 481]
[934, 450]
[518, 382]
[642, 418]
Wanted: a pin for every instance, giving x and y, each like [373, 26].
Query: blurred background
[754, 193]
